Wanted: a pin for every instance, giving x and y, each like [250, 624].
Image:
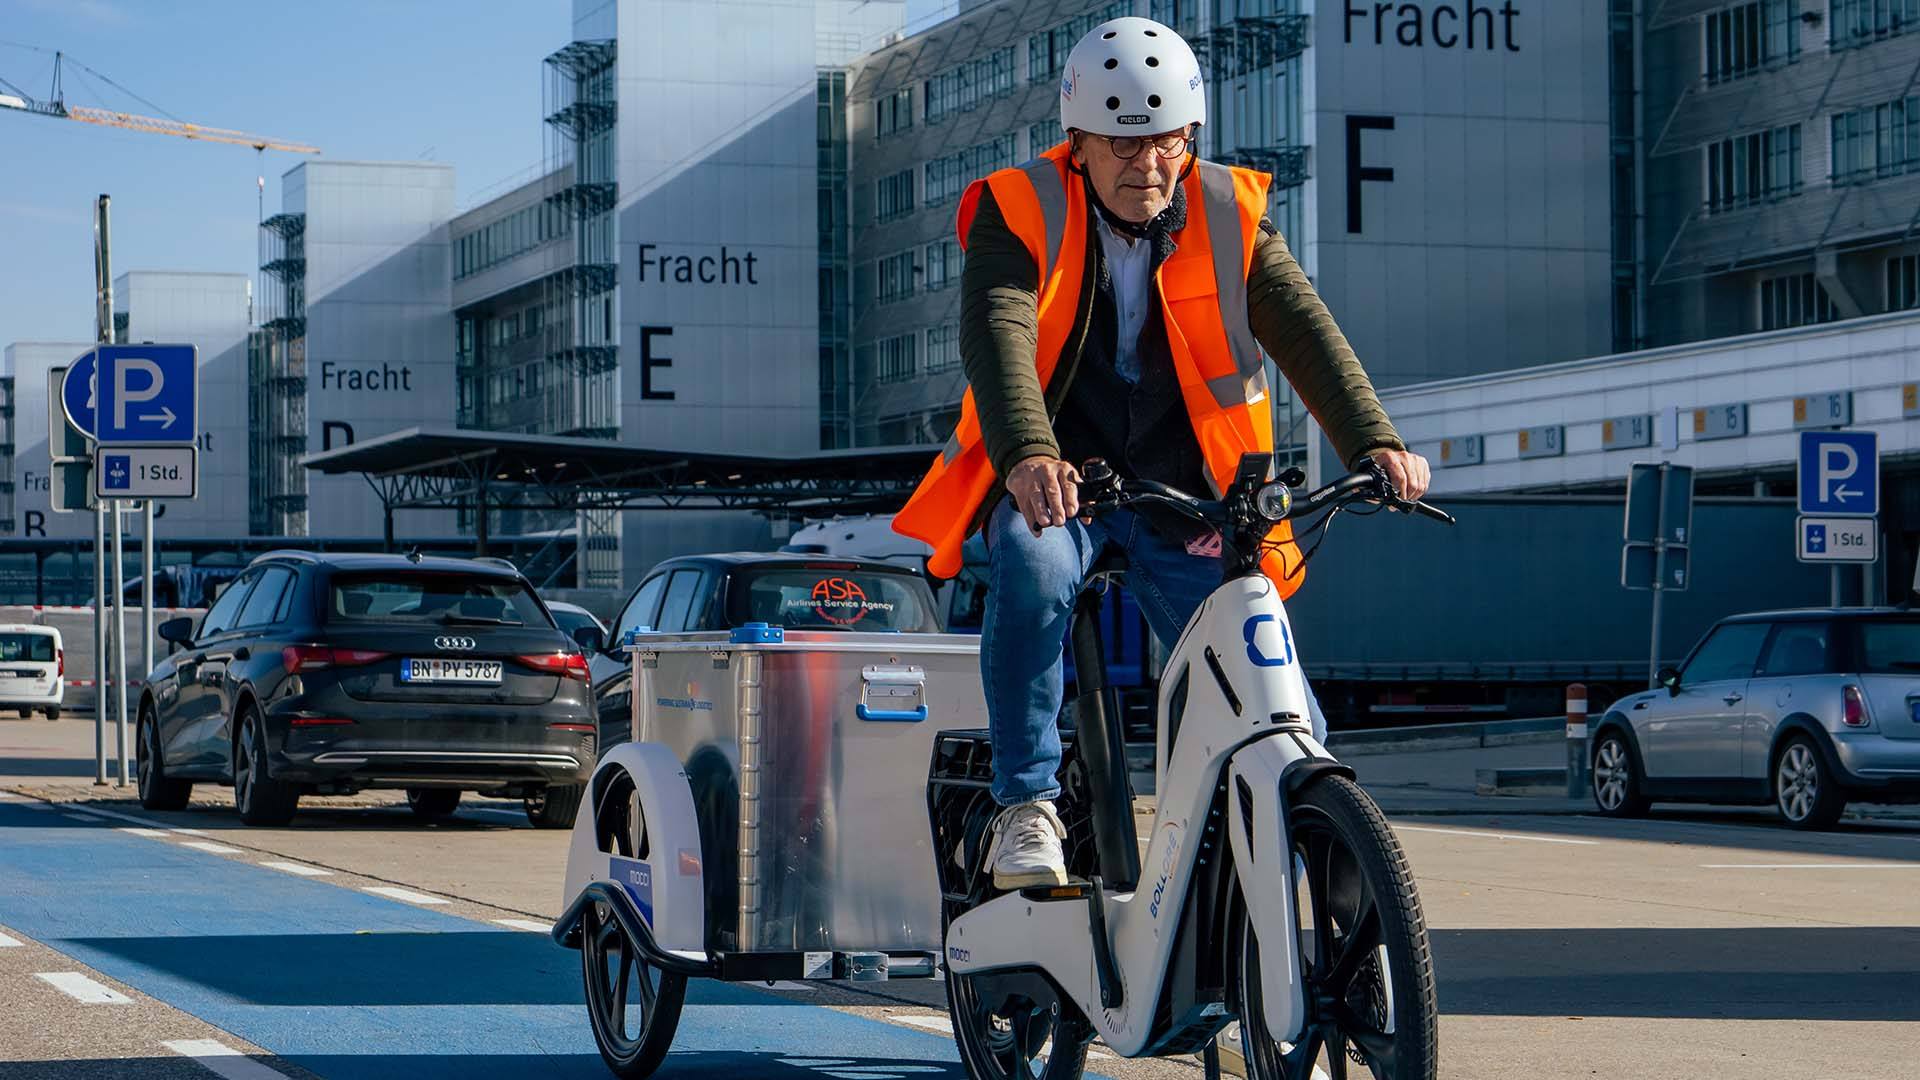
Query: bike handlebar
[1102, 490]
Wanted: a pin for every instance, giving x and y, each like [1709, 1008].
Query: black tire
[1357, 893]
[555, 806]
[614, 975]
[24, 713]
[1804, 789]
[1615, 777]
[158, 791]
[433, 804]
[260, 798]
[53, 712]
[999, 1019]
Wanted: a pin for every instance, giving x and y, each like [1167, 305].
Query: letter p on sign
[125, 393]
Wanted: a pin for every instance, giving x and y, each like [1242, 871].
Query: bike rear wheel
[1364, 958]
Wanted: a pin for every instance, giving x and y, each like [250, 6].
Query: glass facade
[1860, 22]
[1751, 168]
[1794, 300]
[1746, 37]
[835, 238]
[948, 176]
[963, 88]
[1877, 141]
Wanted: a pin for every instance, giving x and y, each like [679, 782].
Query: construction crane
[56, 107]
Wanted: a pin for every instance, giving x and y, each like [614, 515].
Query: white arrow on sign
[1843, 493]
[165, 416]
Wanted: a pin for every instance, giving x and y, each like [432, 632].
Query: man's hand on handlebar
[1406, 470]
[1046, 491]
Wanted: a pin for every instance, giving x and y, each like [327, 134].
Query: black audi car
[331, 674]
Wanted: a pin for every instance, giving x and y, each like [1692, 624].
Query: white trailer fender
[665, 881]
[1257, 773]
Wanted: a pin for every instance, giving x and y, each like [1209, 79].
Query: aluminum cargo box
[808, 759]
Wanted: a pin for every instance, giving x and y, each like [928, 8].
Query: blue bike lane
[358, 987]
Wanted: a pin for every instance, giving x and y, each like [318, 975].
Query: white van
[33, 669]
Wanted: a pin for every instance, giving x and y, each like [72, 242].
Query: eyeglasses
[1173, 144]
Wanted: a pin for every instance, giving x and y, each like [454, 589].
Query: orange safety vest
[1203, 297]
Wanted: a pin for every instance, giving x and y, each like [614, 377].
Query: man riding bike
[1113, 292]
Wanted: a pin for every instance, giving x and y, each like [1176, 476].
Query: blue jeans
[1032, 583]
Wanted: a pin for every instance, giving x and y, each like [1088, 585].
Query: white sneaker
[1026, 847]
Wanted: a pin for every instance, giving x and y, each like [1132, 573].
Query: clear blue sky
[455, 81]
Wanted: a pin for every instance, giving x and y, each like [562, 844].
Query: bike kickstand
[1210, 1059]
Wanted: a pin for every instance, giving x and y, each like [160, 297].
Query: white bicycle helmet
[1131, 76]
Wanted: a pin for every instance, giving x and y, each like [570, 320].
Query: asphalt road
[359, 943]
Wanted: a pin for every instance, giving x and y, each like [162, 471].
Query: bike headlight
[1273, 500]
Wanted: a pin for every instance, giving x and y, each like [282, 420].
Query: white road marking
[82, 989]
[189, 832]
[790, 986]
[395, 893]
[4, 795]
[1811, 866]
[210, 847]
[222, 1060]
[8, 943]
[79, 817]
[138, 831]
[299, 868]
[86, 811]
[526, 924]
[1491, 835]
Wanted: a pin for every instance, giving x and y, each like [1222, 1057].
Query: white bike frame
[1248, 712]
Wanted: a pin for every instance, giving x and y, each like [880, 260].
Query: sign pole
[120, 639]
[1659, 564]
[103, 333]
[147, 559]
[1833, 590]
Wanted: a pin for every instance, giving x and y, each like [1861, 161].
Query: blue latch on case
[757, 633]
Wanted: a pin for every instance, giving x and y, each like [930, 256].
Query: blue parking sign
[1840, 473]
[146, 394]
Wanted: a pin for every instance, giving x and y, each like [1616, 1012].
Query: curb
[1448, 736]
[1520, 782]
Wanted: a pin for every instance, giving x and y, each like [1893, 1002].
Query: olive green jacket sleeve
[999, 334]
[1293, 325]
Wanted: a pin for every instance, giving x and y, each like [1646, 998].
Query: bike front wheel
[1365, 965]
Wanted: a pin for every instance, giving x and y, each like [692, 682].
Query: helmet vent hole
[1153, 101]
[1152, 33]
[1113, 103]
[1109, 35]
[1112, 63]
[1153, 61]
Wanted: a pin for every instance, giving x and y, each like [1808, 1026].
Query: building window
[943, 348]
[1045, 135]
[1047, 50]
[1743, 38]
[1747, 169]
[896, 277]
[1857, 22]
[1794, 300]
[965, 87]
[947, 177]
[1903, 282]
[893, 113]
[896, 358]
[893, 196]
[943, 264]
[1880, 140]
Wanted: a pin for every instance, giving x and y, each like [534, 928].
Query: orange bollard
[1576, 740]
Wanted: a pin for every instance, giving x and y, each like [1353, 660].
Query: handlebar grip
[1434, 512]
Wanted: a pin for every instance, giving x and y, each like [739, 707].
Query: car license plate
[483, 672]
